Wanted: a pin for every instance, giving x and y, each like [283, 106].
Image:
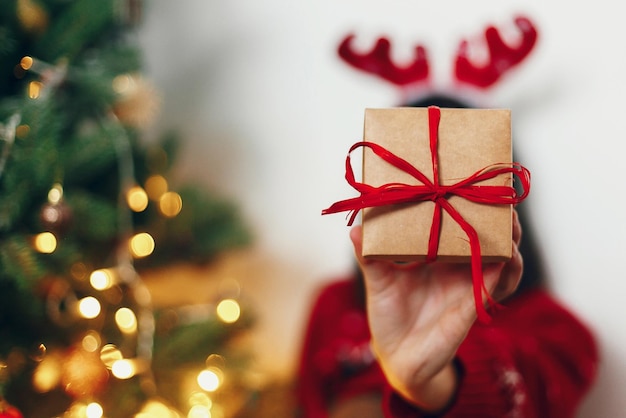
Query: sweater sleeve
[534, 360]
[336, 361]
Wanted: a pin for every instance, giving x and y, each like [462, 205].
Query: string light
[47, 375]
[102, 279]
[126, 320]
[123, 369]
[228, 310]
[89, 307]
[34, 89]
[45, 242]
[109, 354]
[199, 411]
[170, 204]
[210, 379]
[26, 63]
[141, 245]
[94, 410]
[156, 185]
[55, 194]
[200, 398]
[122, 83]
[155, 408]
[91, 341]
[137, 199]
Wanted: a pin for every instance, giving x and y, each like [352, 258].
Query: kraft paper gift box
[469, 140]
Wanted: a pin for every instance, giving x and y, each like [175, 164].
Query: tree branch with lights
[86, 206]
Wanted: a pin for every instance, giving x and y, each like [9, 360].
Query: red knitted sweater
[534, 360]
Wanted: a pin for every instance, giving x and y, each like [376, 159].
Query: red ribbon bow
[394, 193]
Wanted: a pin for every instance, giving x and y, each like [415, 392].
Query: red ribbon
[395, 193]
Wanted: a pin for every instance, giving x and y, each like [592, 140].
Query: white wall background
[268, 113]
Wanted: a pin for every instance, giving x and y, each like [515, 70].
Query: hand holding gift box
[437, 184]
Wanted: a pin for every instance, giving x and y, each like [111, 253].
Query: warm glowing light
[137, 199]
[34, 89]
[170, 204]
[122, 83]
[199, 411]
[156, 409]
[126, 320]
[109, 355]
[45, 242]
[89, 307]
[141, 245]
[26, 62]
[123, 369]
[55, 194]
[91, 341]
[77, 410]
[228, 310]
[200, 398]
[94, 410]
[156, 186]
[47, 375]
[210, 379]
[102, 279]
[22, 131]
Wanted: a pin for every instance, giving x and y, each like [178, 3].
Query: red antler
[378, 62]
[502, 57]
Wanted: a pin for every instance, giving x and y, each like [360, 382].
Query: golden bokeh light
[22, 131]
[26, 63]
[76, 410]
[123, 369]
[170, 204]
[141, 245]
[89, 307]
[45, 243]
[228, 310]
[200, 398]
[34, 89]
[94, 410]
[210, 379]
[137, 199]
[91, 341]
[47, 375]
[156, 185]
[55, 194]
[109, 354]
[215, 360]
[126, 320]
[122, 83]
[199, 411]
[155, 408]
[102, 279]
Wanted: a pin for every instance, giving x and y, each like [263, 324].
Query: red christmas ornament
[9, 411]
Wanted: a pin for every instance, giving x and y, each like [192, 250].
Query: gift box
[467, 141]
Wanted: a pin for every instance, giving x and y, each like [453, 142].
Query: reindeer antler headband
[502, 58]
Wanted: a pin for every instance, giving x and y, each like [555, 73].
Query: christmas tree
[86, 206]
